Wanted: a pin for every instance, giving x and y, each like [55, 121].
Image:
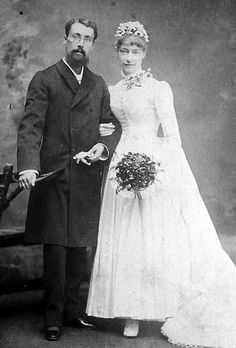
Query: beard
[78, 57]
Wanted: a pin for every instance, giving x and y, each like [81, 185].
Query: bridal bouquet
[134, 173]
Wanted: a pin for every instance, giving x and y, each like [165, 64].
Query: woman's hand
[106, 129]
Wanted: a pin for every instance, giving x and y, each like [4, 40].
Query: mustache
[80, 50]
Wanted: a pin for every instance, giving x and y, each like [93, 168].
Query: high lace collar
[136, 79]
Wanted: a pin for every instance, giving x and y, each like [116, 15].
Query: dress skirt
[156, 254]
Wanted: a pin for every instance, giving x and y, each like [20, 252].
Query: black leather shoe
[80, 323]
[52, 333]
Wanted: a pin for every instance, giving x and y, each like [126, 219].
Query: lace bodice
[142, 107]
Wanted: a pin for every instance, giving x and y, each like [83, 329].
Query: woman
[159, 257]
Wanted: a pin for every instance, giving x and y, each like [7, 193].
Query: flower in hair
[131, 28]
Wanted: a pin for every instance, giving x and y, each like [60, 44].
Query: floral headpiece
[131, 28]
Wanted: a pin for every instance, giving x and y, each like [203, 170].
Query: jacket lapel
[65, 72]
[88, 83]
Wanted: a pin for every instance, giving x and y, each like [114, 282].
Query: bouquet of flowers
[135, 172]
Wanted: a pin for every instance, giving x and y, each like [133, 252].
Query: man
[60, 129]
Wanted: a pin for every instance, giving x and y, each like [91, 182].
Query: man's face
[79, 43]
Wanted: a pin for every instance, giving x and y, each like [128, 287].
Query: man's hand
[27, 179]
[83, 157]
[95, 153]
[106, 129]
[92, 155]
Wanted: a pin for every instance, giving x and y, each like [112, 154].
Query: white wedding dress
[159, 258]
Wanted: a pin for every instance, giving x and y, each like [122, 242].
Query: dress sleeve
[164, 104]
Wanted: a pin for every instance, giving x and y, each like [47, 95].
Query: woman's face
[131, 55]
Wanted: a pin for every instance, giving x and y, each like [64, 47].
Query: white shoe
[131, 328]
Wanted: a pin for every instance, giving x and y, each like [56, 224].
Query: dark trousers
[64, 269]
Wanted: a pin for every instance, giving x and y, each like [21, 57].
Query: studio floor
[21, 326]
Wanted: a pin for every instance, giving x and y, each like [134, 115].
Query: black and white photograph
[118, 173]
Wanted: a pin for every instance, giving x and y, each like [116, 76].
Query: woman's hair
[132, 40]
[85, 22]
[134, 32]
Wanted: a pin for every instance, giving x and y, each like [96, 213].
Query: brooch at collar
[137, 79]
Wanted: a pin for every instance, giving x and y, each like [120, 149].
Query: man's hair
[85, 22]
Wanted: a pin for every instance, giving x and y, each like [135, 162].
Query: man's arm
[107, 116]
[106, 145]
[30, 131]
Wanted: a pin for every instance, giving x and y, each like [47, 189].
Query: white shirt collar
[77, 76]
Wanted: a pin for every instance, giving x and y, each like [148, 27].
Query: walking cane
[8, 177]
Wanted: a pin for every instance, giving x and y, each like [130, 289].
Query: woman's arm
[164, 103]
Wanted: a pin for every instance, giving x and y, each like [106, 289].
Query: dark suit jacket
[61, 119]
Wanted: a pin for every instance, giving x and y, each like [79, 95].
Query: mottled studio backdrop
[192, 46]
